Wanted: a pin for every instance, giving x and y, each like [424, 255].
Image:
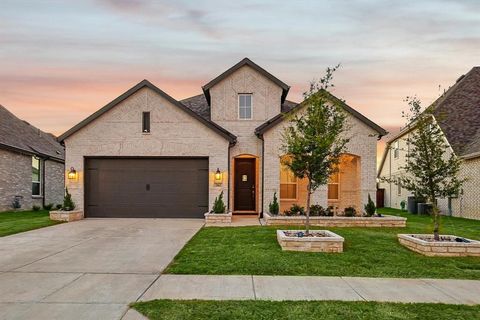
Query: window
[396, 149]
[399, 188]
[245, 106]
[146, 122]
[36, 177]
[288, 184]
[333, 186]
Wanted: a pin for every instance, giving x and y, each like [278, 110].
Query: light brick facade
[16, 180]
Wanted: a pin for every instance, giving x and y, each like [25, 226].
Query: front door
[244, 184]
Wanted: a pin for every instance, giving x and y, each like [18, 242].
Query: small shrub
[318, 210]
[274, 207]
[48, 206]
[58, 206]
[219, 205]
[35, 208]
[295, 210]
[350, 211]
[370, 207]
[68, 204]
[403, 204]
[330, 211]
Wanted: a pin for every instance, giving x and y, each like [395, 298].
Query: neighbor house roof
[147, 84]
[246, 62]
[291, 107]
[20, 136]
[457, 112]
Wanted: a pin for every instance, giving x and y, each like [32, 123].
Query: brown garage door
[146, 187]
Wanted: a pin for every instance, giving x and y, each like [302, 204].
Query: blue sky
[62, 60]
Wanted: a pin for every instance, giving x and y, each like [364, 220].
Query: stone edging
[332, 242]
[68, 216]
[440, 249]
[384, 221]
[215, 219]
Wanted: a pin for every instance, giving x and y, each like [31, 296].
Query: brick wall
[467, 205]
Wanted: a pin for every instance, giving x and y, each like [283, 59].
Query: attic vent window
[245, 106]
[146, 122]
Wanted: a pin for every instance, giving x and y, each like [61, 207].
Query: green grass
[368, 252]
[20, 221]
[300, 310]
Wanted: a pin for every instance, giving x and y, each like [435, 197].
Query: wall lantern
[72, 174]
[218, 177]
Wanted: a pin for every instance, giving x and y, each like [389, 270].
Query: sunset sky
[62, 60]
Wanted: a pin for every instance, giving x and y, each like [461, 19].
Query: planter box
[380, 222]
[327, 242]
[218, 219]
[424, 244]
[67, 216]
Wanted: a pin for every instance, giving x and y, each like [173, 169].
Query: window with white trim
[396, 149]
[245, 106]
[288, 183]
[334, 186]
[36, 177]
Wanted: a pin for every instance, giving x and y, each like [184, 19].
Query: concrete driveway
[90, 269]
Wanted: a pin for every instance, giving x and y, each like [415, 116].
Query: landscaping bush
[295, 210]
[318, 210]
[330, 211]
[402, 205]
[370, 207]
[350, 211]
[35, 208]
[58, 206]
[68, 204]
[219, 205]
[48, 206]
[274, 207]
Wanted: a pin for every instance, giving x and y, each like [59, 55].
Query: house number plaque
[244, 177]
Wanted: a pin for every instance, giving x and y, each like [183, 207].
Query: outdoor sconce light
[218, 177]
[72, 174]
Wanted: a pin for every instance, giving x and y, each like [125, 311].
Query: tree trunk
[436, 221]
[307, 214]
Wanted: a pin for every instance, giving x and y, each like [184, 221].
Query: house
[31, 165]
[457, 112]
[146, 154]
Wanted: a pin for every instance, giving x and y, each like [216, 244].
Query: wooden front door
[244, 184]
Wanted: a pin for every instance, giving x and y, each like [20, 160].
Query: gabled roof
[246, 62]
[147, 84]
[20, 136]
[292, 108]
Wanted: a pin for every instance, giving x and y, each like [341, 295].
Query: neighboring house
[31, 164]
[457, 112]
[146, 154]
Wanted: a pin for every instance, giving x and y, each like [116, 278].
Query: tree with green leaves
[314, 140]
[429, 173]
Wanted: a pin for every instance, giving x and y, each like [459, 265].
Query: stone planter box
[68, 216]
[424, 244]
[218, 219]
[385, 221]
[326, 242]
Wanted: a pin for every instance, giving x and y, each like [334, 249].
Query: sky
[62, 60]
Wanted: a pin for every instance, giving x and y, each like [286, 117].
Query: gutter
[260, 136]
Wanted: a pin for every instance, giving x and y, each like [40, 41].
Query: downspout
[230, 145]
[390, 175]
[43, 182]
[260, 136]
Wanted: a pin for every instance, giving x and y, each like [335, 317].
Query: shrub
[295, 210]
[58, 206]
[318, 210]
[403, 204]
[219, 205]
[350, 211]
[274, 207]
[35, 208]
[68, 204]
[48, 206]
[370, 207]
[330, 211]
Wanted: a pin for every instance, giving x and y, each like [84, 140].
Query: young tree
[314, 140]
[429, 172]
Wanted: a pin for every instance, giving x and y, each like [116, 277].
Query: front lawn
[300, 310]
[20, 221]
[368, 252]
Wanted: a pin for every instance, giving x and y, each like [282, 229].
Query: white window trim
[40, 174]
[396, 150]
[251, 107]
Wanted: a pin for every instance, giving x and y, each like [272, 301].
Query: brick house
[457, 112]
[146, 154]
[31, 164]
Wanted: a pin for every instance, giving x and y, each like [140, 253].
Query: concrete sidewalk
[313, 288]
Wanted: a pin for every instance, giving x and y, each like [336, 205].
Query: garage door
[146, 187]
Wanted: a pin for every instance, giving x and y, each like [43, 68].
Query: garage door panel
[147, 187]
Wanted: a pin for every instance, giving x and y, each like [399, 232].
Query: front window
[288, 183]
[36, 177]
[245, 106]
[333, 186]
[396, 150]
